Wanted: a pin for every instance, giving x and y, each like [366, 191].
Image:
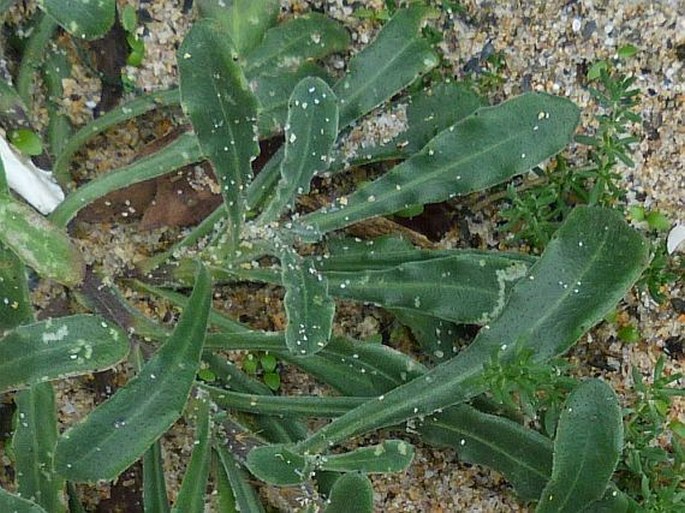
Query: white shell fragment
[675, 239]
[35, 185]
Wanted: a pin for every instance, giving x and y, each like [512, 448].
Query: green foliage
[244, 77]
[587, 446]
[536, 210]
[82, 18]
[651, 472]
[26, 141]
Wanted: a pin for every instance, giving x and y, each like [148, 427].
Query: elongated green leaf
[389, 456]
[270, 428]
[524, 456]
[428, 113]
[354, 368]
[225, 499]
[118, 431]
[16, 504]
[55, 69]
[288, 45]
[307, 304]
[115, 116]
[54, 349]
[40, 244]
[191, 497]
[486, 148]
[311, 130]
[15, 304]
[34, 444]
[243, 21]
[179, 153]
[154, 485]
[286, 406]
[245, 496]
[351, 492]
[477, 286]
[588, 444]
[392, 61]
[84, 19]
[216, 97]
[574, 284]
[273, 91]
[348, 255]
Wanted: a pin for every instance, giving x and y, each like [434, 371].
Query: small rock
[678, 305]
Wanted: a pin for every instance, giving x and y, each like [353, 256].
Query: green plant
[241, 82]
[652, 472]
[536, 210]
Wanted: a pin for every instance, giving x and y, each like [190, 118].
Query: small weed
[653, 465]
[535, 211]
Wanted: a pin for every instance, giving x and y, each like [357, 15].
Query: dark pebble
[678, 304]
[674, 347]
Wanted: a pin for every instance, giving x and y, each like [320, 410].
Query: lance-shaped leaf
[487, 148]
[273, 91]
[243, 21]
[191, 497]
[574, 284]
[84, 19]
[57, 348]
[154, 485]
[428, 113]
[182, 151]
[351, 492]
[223, 111]
[246, 497]
[15, 306]
[39, 243]
[290, 44]
[397, 56]
[16, 504]
[389, 456]
[476, 285]
[33, 442]
[587, 446]
[307, 304]
[524, 456]
[118, 431]
[310, 132]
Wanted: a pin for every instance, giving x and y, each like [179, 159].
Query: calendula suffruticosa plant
[244, 77]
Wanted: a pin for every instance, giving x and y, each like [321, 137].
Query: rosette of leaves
[244, 77]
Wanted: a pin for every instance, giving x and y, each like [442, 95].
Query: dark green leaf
[217, 98]
[392, 61]
[588, 444]
[84, 19]
[486, 148]
[118, 431]
[54, 349]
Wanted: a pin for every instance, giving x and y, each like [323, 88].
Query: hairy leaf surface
[54, 349]
[311, 130]
[587, 447]
[118, 431]
[307, 304]
[217, 98]
[486, 148]
[392, 61]
[573, 285]
[84, 19]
